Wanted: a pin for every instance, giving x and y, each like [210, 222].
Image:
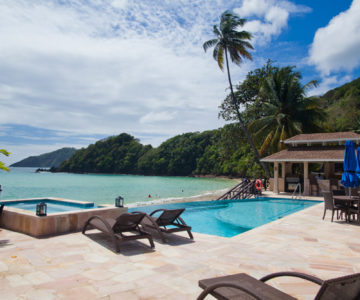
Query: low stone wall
[53, 224]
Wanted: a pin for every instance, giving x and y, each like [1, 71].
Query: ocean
[22, 183]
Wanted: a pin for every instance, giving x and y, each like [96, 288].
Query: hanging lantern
[119, 201]
[41, 209]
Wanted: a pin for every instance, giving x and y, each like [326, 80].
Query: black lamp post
[119, 201]
[41, 209]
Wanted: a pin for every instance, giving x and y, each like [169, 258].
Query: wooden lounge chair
[115, 228]
[243, 286]
[168, 217]
[330, 204]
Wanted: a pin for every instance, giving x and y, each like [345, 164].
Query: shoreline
[48, 170]
[208, 196]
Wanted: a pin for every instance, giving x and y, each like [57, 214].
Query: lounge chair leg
[152, 245]
[324, 214]
[116, 246]
[332, 216]
[162, 237]
[84, 229]
[190, 234]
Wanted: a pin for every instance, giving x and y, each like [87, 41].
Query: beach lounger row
[133, 226]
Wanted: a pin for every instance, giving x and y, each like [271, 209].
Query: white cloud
[336, 46]
[328, 83]
[106, 67]
[153, 117]
[272, 17]
[119, 3]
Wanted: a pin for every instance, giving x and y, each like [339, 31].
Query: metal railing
[244, 190]
[297, 188]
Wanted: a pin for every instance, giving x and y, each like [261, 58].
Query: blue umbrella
[358, 162]
[349, 178]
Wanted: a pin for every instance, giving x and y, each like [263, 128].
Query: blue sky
[75, 71]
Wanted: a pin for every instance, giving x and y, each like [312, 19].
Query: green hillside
[223, 151]
[342, 105]
[216, 152]
[116, 154]
[47, 160]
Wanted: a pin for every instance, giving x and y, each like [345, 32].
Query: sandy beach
[203, 197]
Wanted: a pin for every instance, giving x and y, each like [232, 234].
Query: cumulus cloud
[272, 17]
[328, 83]
[153, 117]
[336, 46]
[103, 67]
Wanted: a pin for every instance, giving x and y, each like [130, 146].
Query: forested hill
[223, 151]
[217, 152]
[342, 105]
[47, 160]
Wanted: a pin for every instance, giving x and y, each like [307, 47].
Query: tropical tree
[2, 165]
[231, 42]
[285, 109]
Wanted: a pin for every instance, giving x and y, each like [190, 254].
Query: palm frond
[311, 84]
[3, 167]
[210, 43]
[218, 55]
[3, 151]
[216, 31]
[266, 143]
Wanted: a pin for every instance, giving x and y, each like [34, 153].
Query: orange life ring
[258, 184]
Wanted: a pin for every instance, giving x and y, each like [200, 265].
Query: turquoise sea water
[103, 189]
[232, 217]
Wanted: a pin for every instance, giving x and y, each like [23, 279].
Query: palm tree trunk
[257, 155]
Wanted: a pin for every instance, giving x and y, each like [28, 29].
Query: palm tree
[285, 109]
[235, 43]
[2, 166]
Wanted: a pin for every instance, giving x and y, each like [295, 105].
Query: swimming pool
[228, 218]
[53, 206]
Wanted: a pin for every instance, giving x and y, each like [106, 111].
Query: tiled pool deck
[75, 266]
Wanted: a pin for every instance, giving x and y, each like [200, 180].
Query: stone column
[307, 187]
[276, 177]
[283, 169]
[327, 170]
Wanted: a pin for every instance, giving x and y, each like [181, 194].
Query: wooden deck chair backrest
[128, 222]
[169, 216]
[344, 288]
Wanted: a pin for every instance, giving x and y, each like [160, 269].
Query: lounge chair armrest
[213, 287]
[157, 210]
[293, 274]
[137, 212]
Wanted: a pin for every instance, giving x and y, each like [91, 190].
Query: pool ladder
[298, 187]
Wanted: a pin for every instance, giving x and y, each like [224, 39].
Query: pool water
[228, 218]
[53, 206]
